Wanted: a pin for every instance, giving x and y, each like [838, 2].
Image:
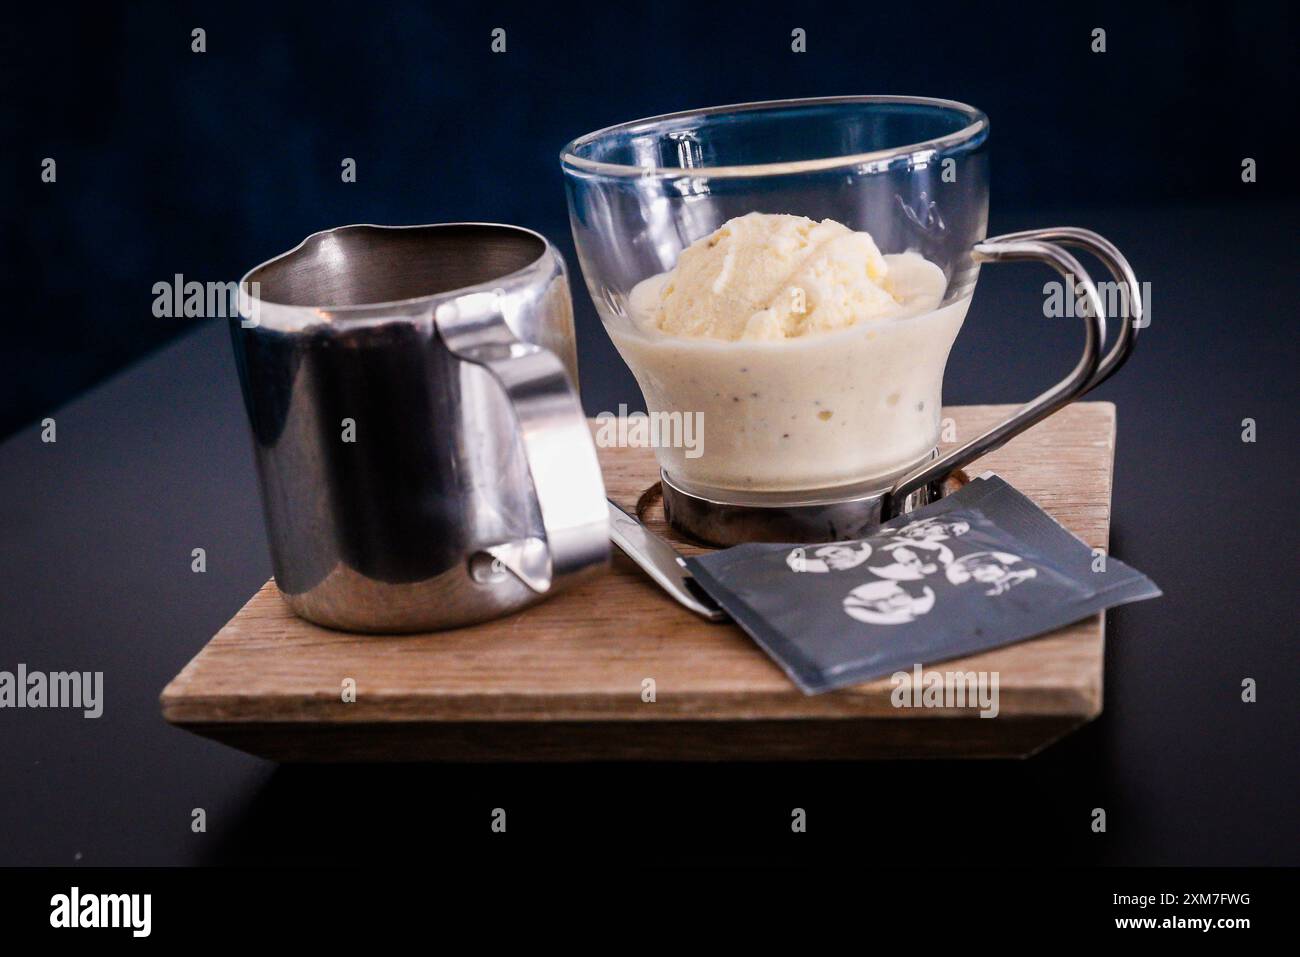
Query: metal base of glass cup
[826, 515]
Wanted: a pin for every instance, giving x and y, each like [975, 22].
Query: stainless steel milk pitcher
[423, 456]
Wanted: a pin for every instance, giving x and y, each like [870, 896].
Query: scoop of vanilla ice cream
[768, 277]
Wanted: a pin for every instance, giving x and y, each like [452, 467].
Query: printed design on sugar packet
[887, 603]
[932, 530]
[912, 561]
[838, 557]
[915, 552]
[917, 549]
[990, 568]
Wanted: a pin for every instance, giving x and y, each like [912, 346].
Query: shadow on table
[1036, 811]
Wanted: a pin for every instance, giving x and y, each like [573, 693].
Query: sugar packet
[981, 568]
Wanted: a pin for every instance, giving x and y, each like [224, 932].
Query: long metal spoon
[660, 561]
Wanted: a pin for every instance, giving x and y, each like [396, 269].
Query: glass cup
[858, 406]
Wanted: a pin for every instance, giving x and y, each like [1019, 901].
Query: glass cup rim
[874, 161]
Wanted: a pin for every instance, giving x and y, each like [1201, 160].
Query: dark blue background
[205, 164]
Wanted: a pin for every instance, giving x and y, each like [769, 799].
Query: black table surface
[98, 527]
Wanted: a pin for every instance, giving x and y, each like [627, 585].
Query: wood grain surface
[562, 680]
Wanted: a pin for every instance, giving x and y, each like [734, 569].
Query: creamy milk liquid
[814, 360]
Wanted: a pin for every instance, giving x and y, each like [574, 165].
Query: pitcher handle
[556, 440]
[1046, 245]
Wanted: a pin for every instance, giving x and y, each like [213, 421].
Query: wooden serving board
[563, 680]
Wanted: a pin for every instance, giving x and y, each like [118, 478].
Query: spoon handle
[660, 561]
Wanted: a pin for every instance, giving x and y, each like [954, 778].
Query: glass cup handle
[556, 439]
[1046, 245]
